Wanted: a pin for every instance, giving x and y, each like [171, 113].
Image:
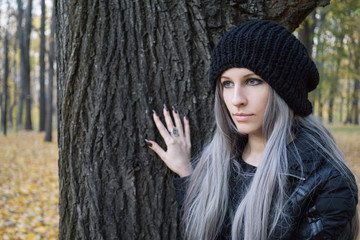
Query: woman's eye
[254, 81]
[227, 84]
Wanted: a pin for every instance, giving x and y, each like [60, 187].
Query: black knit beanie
[272, 52]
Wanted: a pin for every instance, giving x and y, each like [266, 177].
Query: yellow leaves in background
[29, 188]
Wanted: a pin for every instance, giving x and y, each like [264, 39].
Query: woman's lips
[241, 117]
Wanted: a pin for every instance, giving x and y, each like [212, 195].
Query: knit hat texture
[272, 52]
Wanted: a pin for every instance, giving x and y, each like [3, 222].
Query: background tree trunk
[15, 88]
[19, 35]
[42, 104]
[5, 83]
[331, 105]
[306, 32]
[348, 119]
[356, 92]
[319, 50]
[49, 102]
[117, 60]
[320, 109]
[23, 34]
[355, 102]
[26, 55]
[0, 16]
[334, 85]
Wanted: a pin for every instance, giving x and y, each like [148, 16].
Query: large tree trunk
[42, 109]
[117, 60]
[49, 102]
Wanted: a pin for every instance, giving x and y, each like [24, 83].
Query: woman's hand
[177, 140]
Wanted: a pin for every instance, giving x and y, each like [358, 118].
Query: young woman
[271, 170]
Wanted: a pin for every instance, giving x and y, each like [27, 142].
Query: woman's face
[245, 95]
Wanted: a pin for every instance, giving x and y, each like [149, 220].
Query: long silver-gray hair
[207, 196]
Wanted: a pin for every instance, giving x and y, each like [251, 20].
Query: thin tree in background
[1, 94]
[0, 15]
[49, 102]
[306, 32]
[319, 50]
[306, 36]
[19, 36]
[25, 80]
[5, 101]
[15, 87]
[42, 110]
[334, 84]
[356, 90]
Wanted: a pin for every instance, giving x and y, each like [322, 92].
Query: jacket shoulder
[328, 199]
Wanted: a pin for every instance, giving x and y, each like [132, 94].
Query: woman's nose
[239, 97]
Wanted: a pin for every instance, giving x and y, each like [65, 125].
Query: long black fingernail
[175, 111]
[148, 142]
[165, 107]
[154, 112]
[186, 117]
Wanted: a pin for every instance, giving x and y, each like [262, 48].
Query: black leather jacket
[322, 200]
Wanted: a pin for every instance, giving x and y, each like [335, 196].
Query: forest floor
[28, 187]
[29, 181]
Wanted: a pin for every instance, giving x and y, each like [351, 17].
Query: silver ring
[174, 132]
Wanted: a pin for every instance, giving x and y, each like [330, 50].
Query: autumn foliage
[28, 187]
[29, 182]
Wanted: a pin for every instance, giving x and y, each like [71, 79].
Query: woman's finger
[178, 122]
[187, 130]
[162, 130]
[156, 148]
[168, 120]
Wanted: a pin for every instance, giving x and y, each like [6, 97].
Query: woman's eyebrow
[247, 75]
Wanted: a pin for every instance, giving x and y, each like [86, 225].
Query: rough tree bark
[49, 102]
[42, 104]
[117, 60]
